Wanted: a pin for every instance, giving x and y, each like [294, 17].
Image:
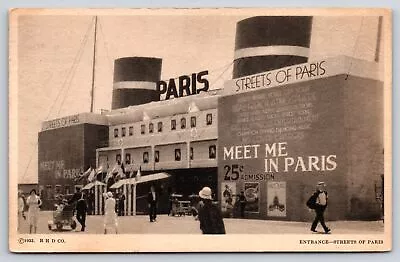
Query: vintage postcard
[200, 130]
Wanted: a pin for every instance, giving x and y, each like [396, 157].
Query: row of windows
[212, 153]
[193, 120]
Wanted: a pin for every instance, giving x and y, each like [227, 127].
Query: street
[188, 225]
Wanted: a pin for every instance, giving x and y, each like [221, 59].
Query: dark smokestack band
[135, 81]
[266, 43]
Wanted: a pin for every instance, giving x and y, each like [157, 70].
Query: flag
[87, 172]
[83, 175]
[120, 174]
[99, 170]
[138, 175]
[92, 176]
[111, 173]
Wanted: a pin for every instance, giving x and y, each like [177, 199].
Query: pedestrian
[77, 195]
[110, 217]
[152, 199]
[121, 203]
[242, 202]
[34, 203]
[81, 209]
[21, 209]
[210, 216]
[320, 197]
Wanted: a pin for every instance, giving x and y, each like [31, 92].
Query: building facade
[282, 124]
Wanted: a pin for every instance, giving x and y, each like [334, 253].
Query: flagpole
[94, 65]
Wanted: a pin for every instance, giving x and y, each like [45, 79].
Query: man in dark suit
[152, 199]
[81, 209]
[321, 202]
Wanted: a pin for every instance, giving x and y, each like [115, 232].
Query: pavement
[188, 225]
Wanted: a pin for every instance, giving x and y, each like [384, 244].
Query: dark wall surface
[314, 121]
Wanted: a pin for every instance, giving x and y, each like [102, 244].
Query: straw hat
[205, 193]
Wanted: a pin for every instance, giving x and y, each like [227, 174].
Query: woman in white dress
[33, 202]
[110, 216]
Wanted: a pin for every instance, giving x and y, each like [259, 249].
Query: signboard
[228, 196]
[184, 85]
[61, 122]
[313, 70]
[276, 199]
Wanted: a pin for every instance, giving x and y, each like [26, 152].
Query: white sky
[48, 45]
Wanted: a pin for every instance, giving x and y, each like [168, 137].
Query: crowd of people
[205, 210]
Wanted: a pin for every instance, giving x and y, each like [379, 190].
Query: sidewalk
[187, 225]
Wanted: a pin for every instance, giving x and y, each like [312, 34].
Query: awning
[142, 179]
[92, 184]
[119, 183]
[153, 177]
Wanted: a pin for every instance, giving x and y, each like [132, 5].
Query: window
[156, 156]
[118, 159]
[131, 131]
[212, 152]
[183, 123]
[173, 124]
[193, 121]
[159, 127]
[127, 158]
[209, 119]
[145, 157]
[151, 127]
[116, 132]
[191, 153]
[177, 154]
[142, 129]
[123, 131]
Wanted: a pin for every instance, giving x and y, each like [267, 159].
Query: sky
[55, 55]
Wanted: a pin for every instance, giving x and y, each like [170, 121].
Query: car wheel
[59, 226]
[73, 225]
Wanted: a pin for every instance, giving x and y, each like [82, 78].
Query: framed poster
[276, 199]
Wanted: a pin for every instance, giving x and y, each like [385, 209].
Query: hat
[205, 193]
[109, 194]
[321, 183]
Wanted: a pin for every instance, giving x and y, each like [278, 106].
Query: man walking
[321, 202]
[152, 199]
[81, 209]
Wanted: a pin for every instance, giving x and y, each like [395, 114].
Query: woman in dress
[110, 216]
[33, 202]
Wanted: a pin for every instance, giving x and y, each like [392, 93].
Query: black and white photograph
[159, 127]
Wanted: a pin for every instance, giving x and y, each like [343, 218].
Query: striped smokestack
[265, 43]
[135, 81]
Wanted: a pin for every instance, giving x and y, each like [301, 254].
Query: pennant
[99, 170]
[193, 108]
[111, 173]
[92, 175]
[138, 175]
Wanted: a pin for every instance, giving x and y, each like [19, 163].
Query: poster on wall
[252, 194]
[228, 195]
[276, 199]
